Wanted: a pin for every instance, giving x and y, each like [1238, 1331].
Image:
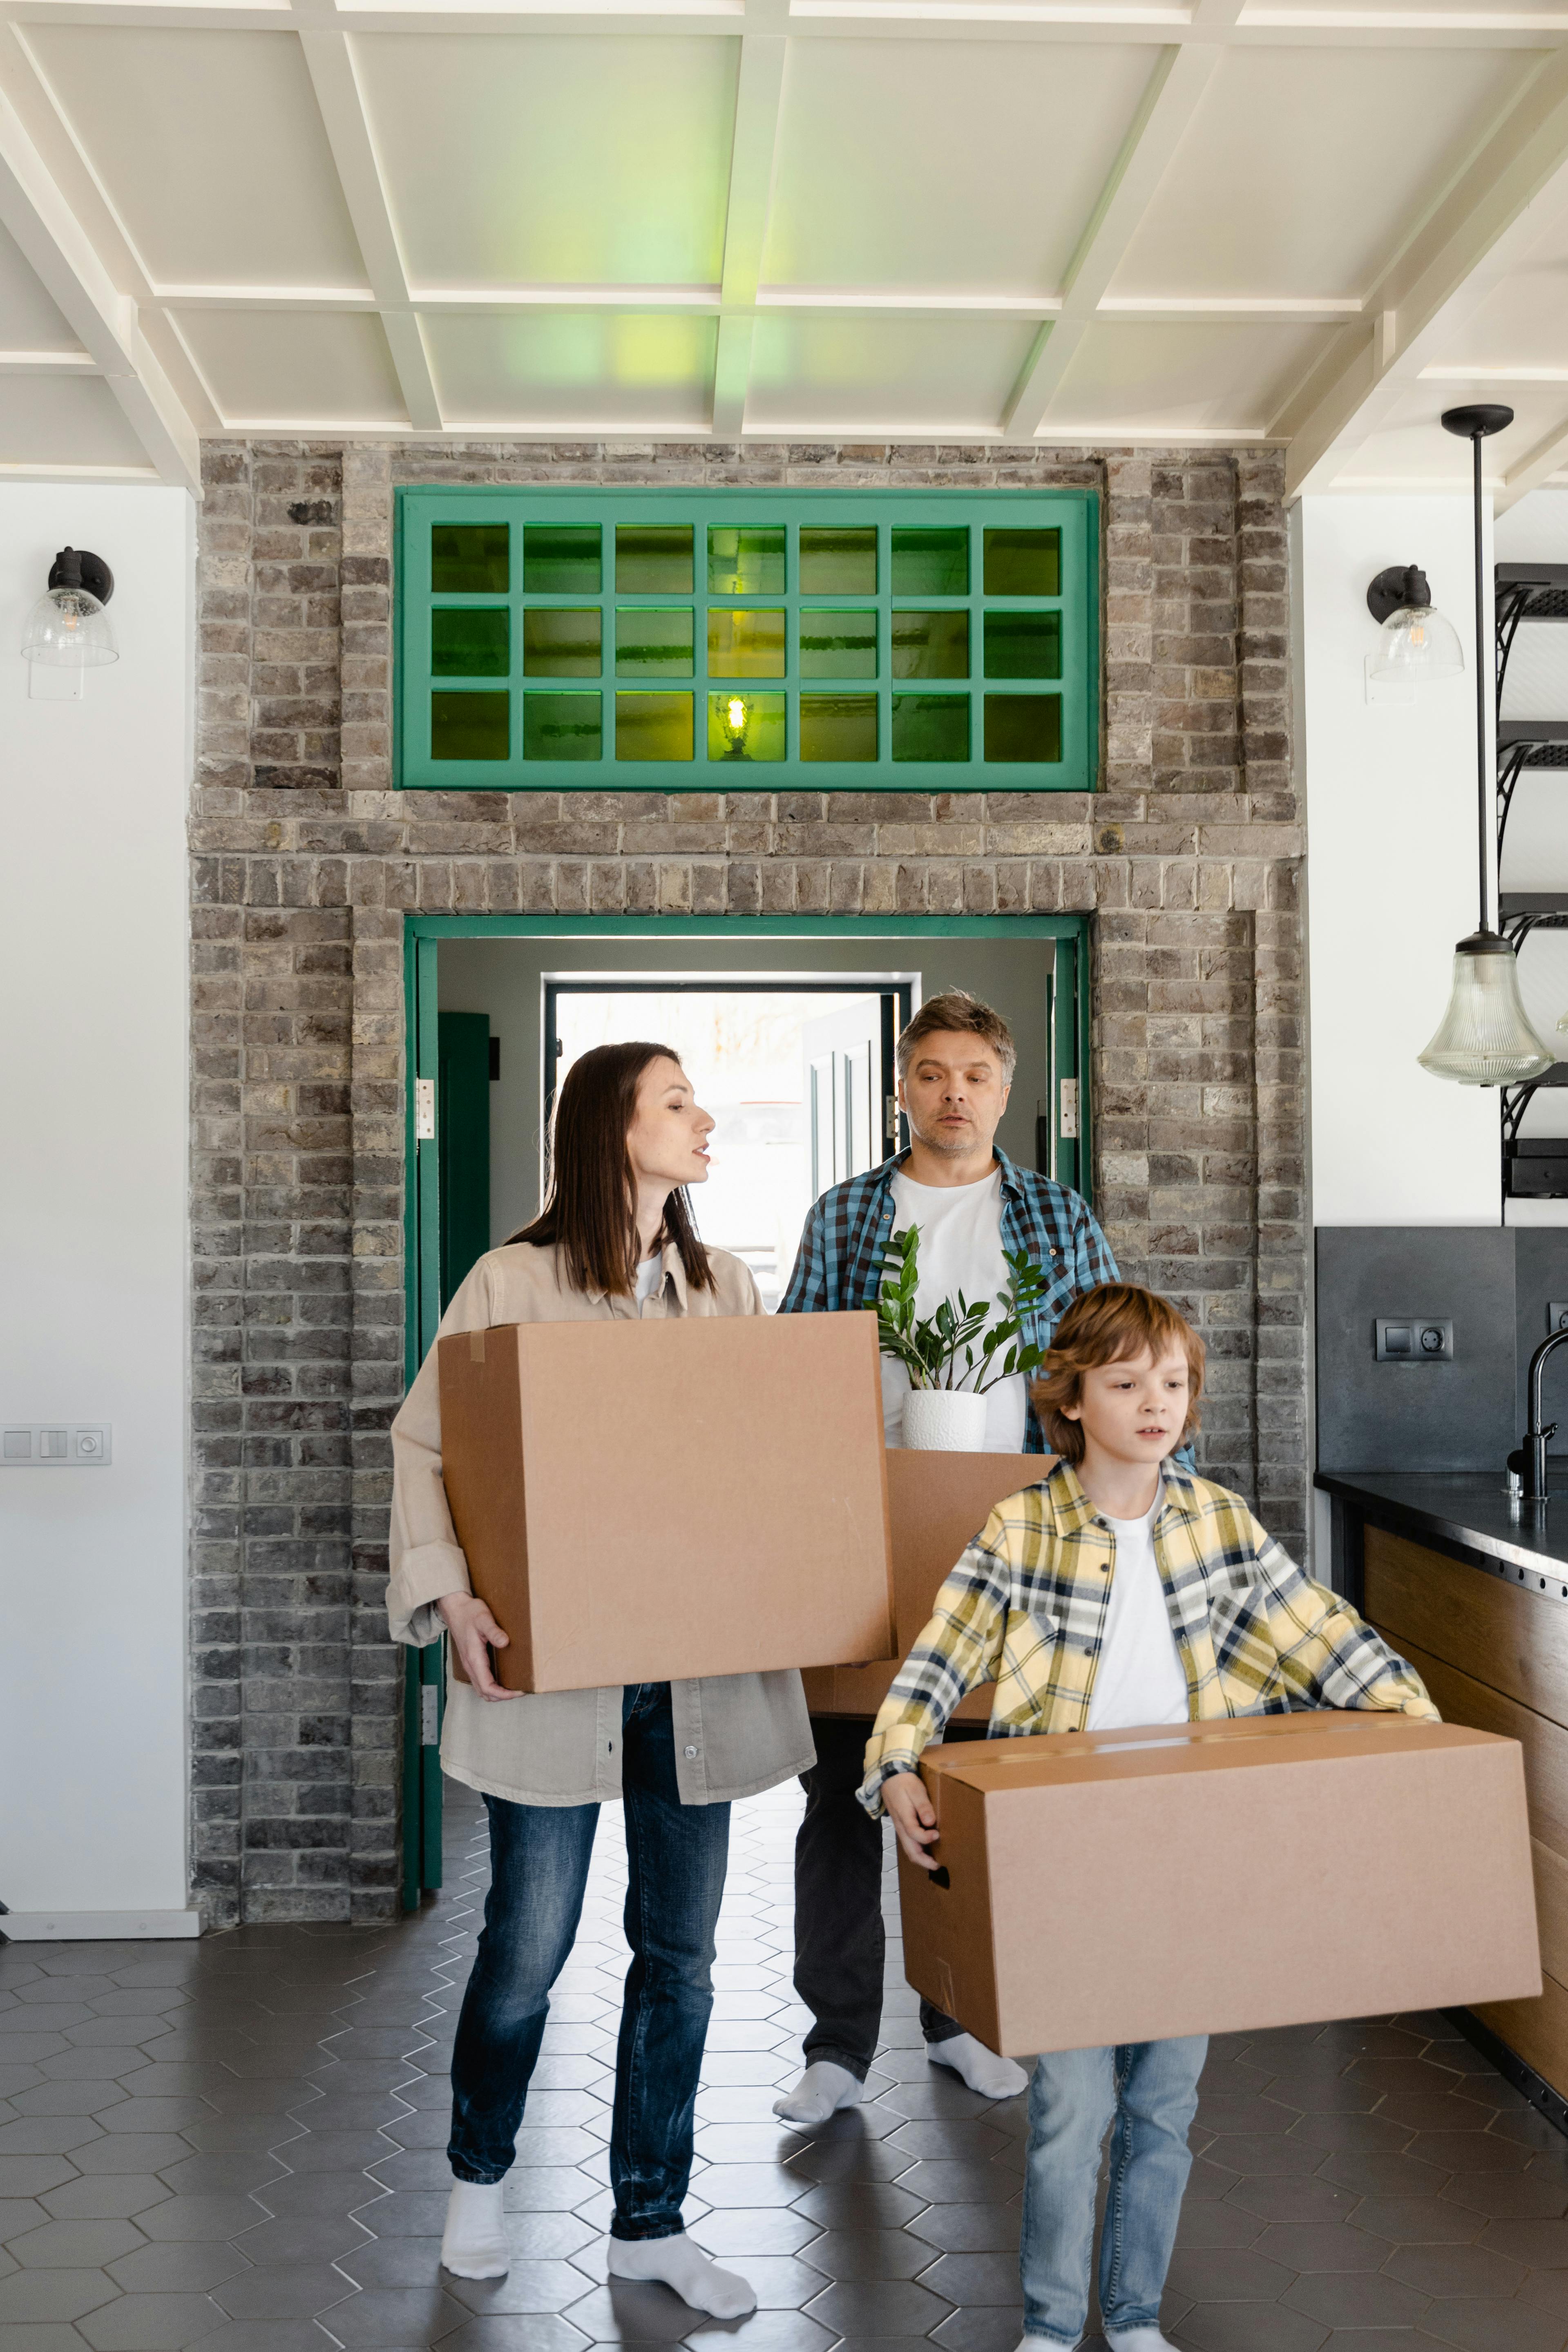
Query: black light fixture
[68, 628]
[1417, 642]
[1485, 1038]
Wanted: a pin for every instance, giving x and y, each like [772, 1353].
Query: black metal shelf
[1528, 592]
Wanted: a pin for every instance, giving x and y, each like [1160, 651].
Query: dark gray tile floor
[238, 2144]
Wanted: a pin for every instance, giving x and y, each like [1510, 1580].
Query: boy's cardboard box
[938, 1504]
[644, 1501]
[1103, 1887]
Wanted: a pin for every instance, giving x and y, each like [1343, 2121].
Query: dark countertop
[1470, 1511]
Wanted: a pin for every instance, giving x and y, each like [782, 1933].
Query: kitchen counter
[1467, 1513]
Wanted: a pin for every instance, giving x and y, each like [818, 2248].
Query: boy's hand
[912, 1814]
[474, 1634]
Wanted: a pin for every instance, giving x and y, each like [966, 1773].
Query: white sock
[473, 2244]
[993, 2077]
[685, 2267]
[1138, 2339]
[821, 2091]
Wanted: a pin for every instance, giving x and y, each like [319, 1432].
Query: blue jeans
[675, 1855]
[1150, 2090]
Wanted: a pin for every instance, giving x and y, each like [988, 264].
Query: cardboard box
[1099, 1887]
[642, 1501]
[938, 1504]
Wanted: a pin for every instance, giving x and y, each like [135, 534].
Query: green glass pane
[653, 727]
[1024, 727]
[838, 644]
[561, 559]
[745, 562]
[1023, 564]
[562, 727]
[561, 641]
[746, 727]
[1023, 644]
[835, 561]
[930, 645]
[931, 726]
[470, 726]
[470, 640]
[837, 726]
[470, 559]
[653, 558]
[654, 643]
[931, 563]
[745, 644]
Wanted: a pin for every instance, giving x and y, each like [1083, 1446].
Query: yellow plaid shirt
[1026, 1607]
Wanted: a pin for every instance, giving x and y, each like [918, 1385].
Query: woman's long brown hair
[590, 1206]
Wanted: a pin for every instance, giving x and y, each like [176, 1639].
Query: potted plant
[954, 1356]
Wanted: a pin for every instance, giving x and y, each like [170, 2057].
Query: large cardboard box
[646, 1501]
[938, 1503]
[1100, 1887]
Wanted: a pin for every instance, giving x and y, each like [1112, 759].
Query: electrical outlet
[55, 1444]
[1557, 1314]
[1414, 1339]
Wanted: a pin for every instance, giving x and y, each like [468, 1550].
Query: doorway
[787, 1025]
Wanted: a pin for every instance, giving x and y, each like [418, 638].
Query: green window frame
[941, 640]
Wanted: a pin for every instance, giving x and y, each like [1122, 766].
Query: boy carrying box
[1159, 1600]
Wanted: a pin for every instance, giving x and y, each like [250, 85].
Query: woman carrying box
[1121, 1591]
[615, 1242]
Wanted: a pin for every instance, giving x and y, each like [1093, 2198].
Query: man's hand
[912, 1814]
[474, 1634]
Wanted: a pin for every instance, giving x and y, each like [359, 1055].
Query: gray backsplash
[1493, 1285]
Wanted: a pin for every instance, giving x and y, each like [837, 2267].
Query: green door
[463, 1142]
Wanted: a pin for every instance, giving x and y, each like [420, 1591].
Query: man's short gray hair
[955, 1009]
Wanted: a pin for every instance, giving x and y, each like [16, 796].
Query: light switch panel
[55, 1444]
[1414, 1339]
[1557, 1314]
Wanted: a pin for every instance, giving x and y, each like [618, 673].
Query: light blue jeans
[1148, 2091]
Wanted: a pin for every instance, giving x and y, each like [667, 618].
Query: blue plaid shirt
[839, 1262]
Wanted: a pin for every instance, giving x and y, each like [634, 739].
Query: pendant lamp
[1484, 1038]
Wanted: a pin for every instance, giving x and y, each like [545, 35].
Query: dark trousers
[840, 1944]
[676, 1856]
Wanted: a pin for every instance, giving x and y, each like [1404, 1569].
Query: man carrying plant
[978, 1217]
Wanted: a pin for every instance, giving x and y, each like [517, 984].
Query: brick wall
[304, 861]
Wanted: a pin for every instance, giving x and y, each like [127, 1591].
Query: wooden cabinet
[1495, 1656]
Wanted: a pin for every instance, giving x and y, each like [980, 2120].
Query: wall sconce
[68, 628]
[735, 719]
[1417, 642]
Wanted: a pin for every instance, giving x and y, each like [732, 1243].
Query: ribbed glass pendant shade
[1485, 1038]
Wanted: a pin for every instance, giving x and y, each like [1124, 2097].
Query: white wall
[92, 1215]
[1390, 795]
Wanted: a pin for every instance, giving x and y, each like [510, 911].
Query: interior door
[463, 1142]
[848, 1093]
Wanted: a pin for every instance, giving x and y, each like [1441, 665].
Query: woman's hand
[474, 1634]
[912, 1814]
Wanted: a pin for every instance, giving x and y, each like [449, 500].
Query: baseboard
[1512, 2067]
[96, 1927]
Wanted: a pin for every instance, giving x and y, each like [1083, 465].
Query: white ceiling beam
[331, 64]
[1167, 107]
[759, 97]
[1546, 458]
[1513, 194]
[105, 321]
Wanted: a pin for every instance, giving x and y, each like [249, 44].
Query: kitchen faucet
[1530, 1458]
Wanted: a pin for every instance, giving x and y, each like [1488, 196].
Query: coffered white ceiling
[1103, 221]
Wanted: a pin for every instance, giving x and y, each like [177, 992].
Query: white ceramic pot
[945, 1420]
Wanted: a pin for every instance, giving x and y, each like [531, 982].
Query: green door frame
[1072, 1160]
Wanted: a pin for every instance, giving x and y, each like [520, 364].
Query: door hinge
[429, 1715]
[1069, 1121]
[890, 1118]
[423, 1110]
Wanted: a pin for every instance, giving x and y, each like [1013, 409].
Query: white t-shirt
[1139, 1678]
[650, 1275]
[961, 1249]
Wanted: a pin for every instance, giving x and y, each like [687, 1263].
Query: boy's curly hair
[1107, 1325]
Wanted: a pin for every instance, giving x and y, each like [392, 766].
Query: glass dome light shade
[68, 628]
[1416, 643]
[1485, 1038]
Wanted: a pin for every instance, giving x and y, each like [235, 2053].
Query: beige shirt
[734, 1733]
